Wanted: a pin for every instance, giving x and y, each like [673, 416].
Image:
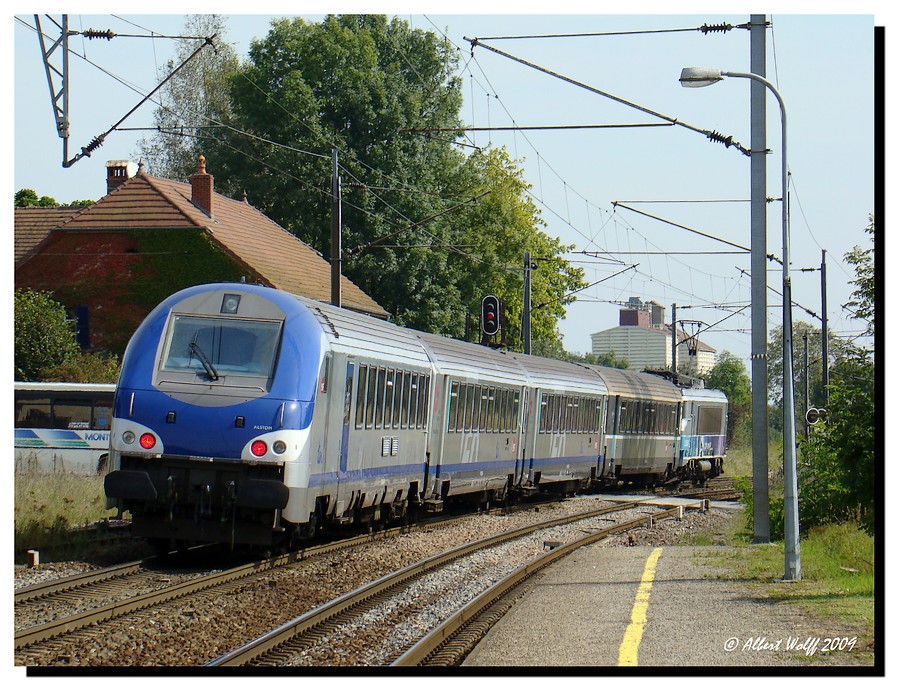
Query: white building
[645, 341]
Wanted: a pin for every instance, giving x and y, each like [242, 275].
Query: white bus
[62, 427]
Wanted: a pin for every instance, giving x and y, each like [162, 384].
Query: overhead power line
[522, 128]
[710, 134]
[705, 29]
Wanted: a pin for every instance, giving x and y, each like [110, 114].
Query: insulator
[109, 34]
[716, 28]
[719, 137]
[95, 144]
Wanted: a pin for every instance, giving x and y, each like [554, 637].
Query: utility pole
[758, 326]
[335, 231]
[824, 334]
[806, 379]
[674, 345]
[526, 311]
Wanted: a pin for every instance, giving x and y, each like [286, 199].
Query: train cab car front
[211, 416]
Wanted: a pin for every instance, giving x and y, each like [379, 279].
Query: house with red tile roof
[114, 261]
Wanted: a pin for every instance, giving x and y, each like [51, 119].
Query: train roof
[560, 374]
[353, 332]
[636, 385]
[467, 360]
[700, 394]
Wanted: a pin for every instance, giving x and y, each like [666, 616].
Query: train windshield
[217, 346]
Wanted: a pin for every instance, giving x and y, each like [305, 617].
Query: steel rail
[55, 628]
[65, 584]
[338, 606]
[427, 651]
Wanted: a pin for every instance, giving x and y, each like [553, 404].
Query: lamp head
[700, 76]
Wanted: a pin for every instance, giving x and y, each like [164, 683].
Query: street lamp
[704, 76]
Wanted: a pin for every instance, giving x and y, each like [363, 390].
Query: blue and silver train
[247, 415]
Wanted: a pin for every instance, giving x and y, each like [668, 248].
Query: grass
[48, 506]
[837, 585]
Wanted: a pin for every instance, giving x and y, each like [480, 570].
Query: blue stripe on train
[460, 470]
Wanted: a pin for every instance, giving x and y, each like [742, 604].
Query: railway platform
[676, 606]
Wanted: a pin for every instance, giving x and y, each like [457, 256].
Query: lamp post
[700, 77]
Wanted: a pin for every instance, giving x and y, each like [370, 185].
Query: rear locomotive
[703, 434]
[210, 426]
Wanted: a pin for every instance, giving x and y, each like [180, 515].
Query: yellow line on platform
[632, 640]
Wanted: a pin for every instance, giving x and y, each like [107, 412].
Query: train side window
[384, 400]
[514, 410]
[422, 419]
[415, 391]
[475, 392]
[405, 391]
[709, 421]
[361, 380]
[396, 385]
[371, 397]
[505, 404]
[478, 411]
[453, 406]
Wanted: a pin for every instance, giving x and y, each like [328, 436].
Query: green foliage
[84, 367]
[195, 98]
[730, 376]
[43, 335]
[837, 467]
[28, 198]
[426, 230]
[862, 303]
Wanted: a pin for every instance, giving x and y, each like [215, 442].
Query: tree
[730, 376]
[194, 101]
[837, 349]
[426, 231]
[28, 198]
[43, 336]
[838, 470]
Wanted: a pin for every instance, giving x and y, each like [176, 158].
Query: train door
[332, 444]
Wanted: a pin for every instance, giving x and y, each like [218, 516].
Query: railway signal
[490, 315]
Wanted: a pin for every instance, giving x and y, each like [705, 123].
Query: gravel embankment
[196, 629]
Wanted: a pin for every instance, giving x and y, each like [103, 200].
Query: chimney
[117, 172]
[202, 187]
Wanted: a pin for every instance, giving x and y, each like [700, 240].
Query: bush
[43, 336]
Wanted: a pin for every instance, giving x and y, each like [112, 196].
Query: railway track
[244, 589]
[136, 586]
[450, 642]
[398, 603]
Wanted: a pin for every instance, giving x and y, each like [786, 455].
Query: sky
[821, 64]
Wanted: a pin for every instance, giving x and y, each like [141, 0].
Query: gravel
[198, 628]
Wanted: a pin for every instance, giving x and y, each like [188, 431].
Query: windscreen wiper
[204, 360]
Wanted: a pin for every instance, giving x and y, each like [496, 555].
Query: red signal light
[490, 309]
[148, 441]
[259, 448]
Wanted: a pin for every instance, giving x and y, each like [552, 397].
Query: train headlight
[147, 441]
[279, 447]
[128, 437]
[259, 448]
